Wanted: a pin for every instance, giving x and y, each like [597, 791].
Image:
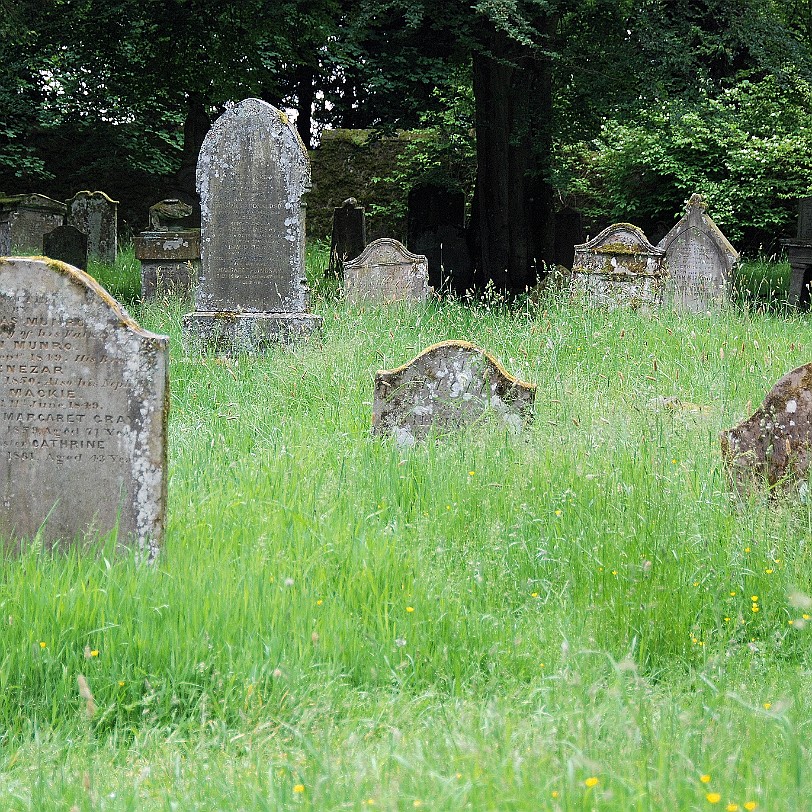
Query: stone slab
[96, 214]
[237, 333]
[773, 447]
[25, 219]
[67, 244]
[84, 399]
[620, 268]
[386, 272]
[448, 385]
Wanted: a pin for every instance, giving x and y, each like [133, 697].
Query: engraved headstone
[386, 272]
[436, 229]
[251, 174]
[805, 219]
[67, 244]
[774, 446]
[445, 387]
[700, 261]
[349, 235]
[620, 268]
[84, 398]
[95, 214]
[24, 219]
[169, 253]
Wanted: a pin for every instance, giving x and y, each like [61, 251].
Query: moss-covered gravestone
[251, 174]
[84, 397]
[96, 214]
[620, 268]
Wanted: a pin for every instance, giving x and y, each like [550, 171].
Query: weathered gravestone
[799, 253]
[445, 387]
[169, 253]
[349, 235]
[84, 399]
[67, 244]
[24, 219]
[620, 268]
[96, 215]
[436, 229]
[700, 261]
[251, 175]
[774, 445]
[386, 272]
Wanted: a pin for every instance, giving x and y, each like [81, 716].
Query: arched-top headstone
[84, 397]
[445, 387]
[620, 268]
[251, 174]
[386, 272]
[700, 260]
[96, 214]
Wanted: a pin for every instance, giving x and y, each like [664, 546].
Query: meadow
[578, 617]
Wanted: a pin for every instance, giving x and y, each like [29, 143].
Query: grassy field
[578, 617]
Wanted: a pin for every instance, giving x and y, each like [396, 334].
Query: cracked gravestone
[84, 397]
[447, 386]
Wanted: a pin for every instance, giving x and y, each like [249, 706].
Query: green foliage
[747, 148]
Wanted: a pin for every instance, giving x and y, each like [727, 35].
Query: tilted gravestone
[619, 268]
[774, 446]
[349, 235]
[24, 219]
[251, 174]
[169, 253]
[700, 261]
[386, 272]
[84, 398]
[67, 244]
[96, 215]
[445, 387]
[436, 229]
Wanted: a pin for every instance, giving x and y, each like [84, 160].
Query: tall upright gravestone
[251, 174]
[349, 235]
[96, 215]
[84, 397]
[799, 253]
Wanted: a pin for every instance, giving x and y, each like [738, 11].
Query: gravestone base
[235, 333]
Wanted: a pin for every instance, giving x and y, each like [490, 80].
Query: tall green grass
[490, 621]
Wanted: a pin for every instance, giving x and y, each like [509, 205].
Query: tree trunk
[513, 225]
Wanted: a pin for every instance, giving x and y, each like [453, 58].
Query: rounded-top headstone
[84, 401]
[251, 174]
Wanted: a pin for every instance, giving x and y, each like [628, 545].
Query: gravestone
[169, 253]
[349, 235]
[84, 400]
[96, 215]
[619, 268]
[436, 230]
[386, 272]
[569, 232]
[67, 244]
[773, 446]
[799, 253]
[445, 387]
[700, 261]
[25, 219]
[251, 175]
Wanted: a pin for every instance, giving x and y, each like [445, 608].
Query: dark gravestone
[169, 253]
[445, 387]
[799, 253]
[96, 214]
[700, 261]
[84, 398]
[349, 235]
[251, 175]
[569, 232]
[620, 268]
[805, 219]
[24, 219]
[774, 446]
[436, 229]
[67, 244]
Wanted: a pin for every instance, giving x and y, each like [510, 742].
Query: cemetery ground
[580, 616]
